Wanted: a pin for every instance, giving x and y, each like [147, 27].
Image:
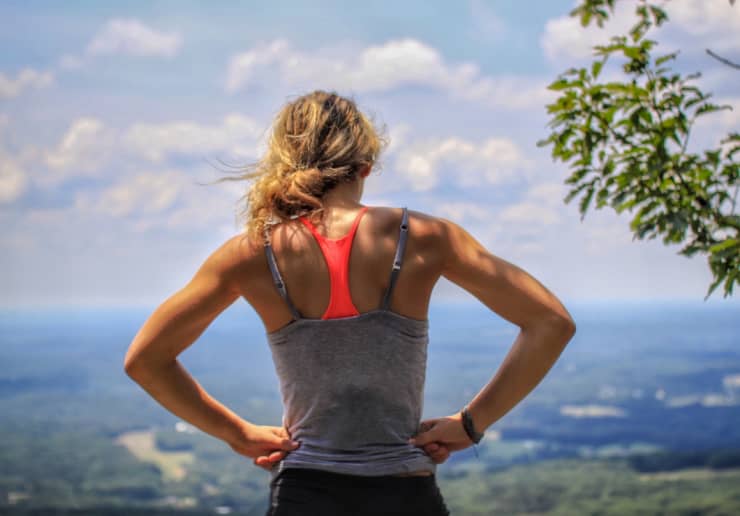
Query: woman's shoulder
[240, 252]
[421, 224]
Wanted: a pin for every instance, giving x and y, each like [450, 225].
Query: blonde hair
[317, 141]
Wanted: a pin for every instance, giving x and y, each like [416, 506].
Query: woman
[343, 291]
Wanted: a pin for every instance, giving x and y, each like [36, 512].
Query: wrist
[474, 433]
[239, 432]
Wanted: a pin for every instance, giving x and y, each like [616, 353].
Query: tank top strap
[403, 235]
[278, 280]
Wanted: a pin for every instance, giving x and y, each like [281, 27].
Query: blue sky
[112, 113]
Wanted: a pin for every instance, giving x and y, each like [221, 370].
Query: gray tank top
[352, 387]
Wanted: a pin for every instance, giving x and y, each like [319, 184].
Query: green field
[142, 445]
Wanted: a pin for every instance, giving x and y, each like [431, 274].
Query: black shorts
[311, 492]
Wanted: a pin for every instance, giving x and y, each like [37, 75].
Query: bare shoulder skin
[436, 247]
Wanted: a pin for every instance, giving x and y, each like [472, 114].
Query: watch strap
[467, 422]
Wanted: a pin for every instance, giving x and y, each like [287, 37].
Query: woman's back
[304, 271]
[352, 381]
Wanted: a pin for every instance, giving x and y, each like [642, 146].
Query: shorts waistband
[320, 475]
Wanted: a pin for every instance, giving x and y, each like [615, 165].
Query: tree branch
[724, 60]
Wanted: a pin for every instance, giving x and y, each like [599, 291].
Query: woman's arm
[151, 360]
[546, 327]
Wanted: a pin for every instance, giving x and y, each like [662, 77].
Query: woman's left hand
[265, 445]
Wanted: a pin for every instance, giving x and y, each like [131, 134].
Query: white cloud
[70, 62]
[236, 134]
[592, 411]
[521, 228]
[378, 68]
[696, 24]
[82, 151]
[488, 26]
[26, 79]
[242, 67]
[716, 23]
[88, 145]
[196, 209]
[161, 198]
[460, 211]
[548, 192]
[124, 37]
[529, 212]
[493, 161]
[132, 37]
[375, 68]
[12, 179]
[147, 193]
[565, 39]
[398, 135]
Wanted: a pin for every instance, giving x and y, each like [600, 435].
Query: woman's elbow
[131, 366]
[559, 328]
[564, 326]
[134, 364]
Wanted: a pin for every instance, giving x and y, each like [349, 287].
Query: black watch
[467, 423]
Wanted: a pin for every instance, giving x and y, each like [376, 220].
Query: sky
[117, 117]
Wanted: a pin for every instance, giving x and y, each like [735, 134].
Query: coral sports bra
[336, 253]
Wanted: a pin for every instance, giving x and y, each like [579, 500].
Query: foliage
[626, 143]
[677, 460]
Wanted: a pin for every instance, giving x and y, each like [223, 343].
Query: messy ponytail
[317, 141]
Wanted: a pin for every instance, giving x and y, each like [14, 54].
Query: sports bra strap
[398, 258]
[279, 283]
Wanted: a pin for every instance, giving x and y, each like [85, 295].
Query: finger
[442, 450]
[268, 460]
[439, 453]
[288, 444]
[425, 427]
[440, 457]
[276, 456]
[424, 437]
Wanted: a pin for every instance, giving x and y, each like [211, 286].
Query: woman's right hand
[441, 436]
[265, 445]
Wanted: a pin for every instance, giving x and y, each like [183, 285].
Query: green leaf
[596, 68]
[664, 58]
[710, 108]
[585, 18]
[728, 244]
[585, 201]
[732, 221]
[659, 15]
[559, 84]
[632, 52]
